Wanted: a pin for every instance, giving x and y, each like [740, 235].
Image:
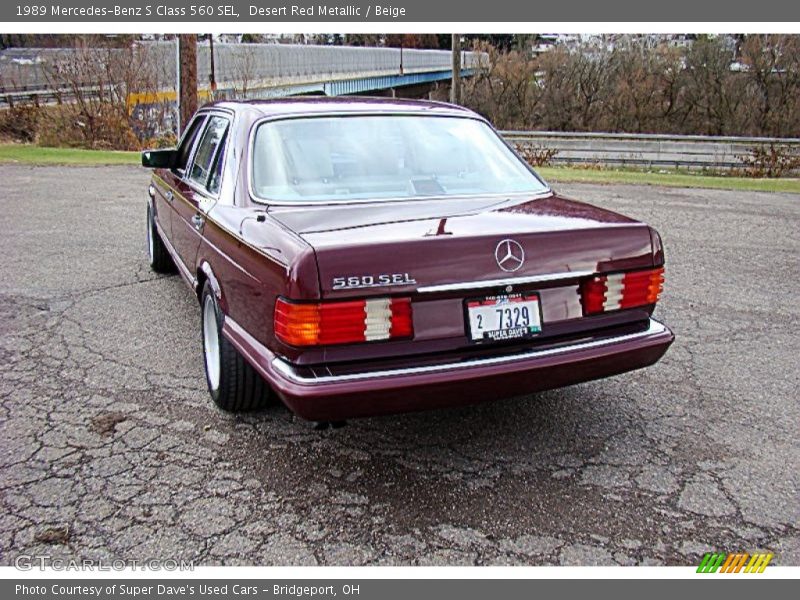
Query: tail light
[621, 290]
[353, 321]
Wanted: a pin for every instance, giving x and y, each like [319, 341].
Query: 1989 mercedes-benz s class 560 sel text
[360, 256]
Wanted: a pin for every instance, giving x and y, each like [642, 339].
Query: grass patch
[29, 154]
[670, 179]
[34, 155]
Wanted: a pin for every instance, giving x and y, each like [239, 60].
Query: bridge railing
[649, 150]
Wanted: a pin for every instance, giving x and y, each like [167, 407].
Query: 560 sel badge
[370, 281]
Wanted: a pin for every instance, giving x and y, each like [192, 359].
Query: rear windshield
[323, 159]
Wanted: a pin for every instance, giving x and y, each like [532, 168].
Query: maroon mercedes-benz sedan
[359, 256]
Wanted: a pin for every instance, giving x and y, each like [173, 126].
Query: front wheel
[233, 384]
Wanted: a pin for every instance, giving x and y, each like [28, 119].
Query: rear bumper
[374, 392]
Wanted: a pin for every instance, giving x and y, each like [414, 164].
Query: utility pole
[212, 80]
[187, 77]
[455, 86]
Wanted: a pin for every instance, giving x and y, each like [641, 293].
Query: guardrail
[647, 150]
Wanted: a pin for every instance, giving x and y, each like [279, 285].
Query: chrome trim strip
[468, 285]
[286, 370]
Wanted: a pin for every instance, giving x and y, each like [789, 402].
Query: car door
[169, 183]
[199, 188]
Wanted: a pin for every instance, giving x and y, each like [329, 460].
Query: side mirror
[159, 159]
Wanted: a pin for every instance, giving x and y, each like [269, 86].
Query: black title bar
[443, 11]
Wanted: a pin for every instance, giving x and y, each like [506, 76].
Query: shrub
[535, 155]
[773, 160]
[104, 128]
[167, 140]
[20, 122]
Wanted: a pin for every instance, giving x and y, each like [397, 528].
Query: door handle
[198, 220]
[169, 196]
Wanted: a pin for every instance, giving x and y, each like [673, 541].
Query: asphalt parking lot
[111, 448]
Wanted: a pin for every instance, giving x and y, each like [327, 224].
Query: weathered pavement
[110, 446]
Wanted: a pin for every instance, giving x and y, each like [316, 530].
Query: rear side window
[215, 177]
[185, 149]
[207, 163]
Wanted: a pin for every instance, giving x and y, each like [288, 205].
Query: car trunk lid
[435, 246]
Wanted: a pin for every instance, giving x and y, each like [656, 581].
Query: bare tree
[504, 88]
[244, 69]
[638, 86]
[94, 86]
[772, 70]
[187, 58]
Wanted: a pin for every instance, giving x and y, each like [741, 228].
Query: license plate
[501, 318]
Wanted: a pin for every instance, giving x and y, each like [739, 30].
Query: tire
[157, 254]
[233, 384]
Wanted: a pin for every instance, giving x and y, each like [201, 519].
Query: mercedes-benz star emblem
[509, 255]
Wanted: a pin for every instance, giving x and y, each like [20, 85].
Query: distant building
[544, 42]
[228, 38]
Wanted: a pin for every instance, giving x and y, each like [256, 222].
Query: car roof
[355, 104]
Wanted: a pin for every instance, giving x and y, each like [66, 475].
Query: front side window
[187, 143]
[323, 159]
[209, 148]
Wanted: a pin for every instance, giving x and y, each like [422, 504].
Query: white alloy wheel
[211, 343]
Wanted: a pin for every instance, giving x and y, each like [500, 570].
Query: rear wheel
[233, 384]
[159, 258]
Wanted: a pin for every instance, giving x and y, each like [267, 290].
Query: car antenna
[440, 230]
